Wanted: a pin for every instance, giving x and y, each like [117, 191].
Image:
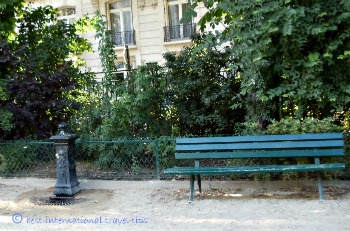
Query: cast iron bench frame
[317, 146]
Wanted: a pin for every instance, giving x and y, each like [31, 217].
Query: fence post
[156, 150]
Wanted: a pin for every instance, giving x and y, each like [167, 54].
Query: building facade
[148, 27]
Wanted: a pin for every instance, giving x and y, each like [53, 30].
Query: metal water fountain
[67, 184]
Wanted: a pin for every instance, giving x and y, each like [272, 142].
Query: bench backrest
[298, 145]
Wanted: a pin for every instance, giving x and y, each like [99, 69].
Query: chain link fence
[26, 158]
[125, 158]
[100, 159]
[121, 159]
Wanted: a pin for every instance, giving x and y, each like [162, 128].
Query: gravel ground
[163, 205]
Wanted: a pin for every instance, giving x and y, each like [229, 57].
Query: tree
[150, 112]
[5, 61]
[202, 88]
[139, 110]
[129, 104]
[43, 83]
[293, 54]
[190, 95]
[9, 10]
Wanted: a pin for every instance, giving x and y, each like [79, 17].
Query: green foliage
[250, 128]
[124, 155]
[49, 39]
[346, 121]
[165, 149]
[5, 122]
[296, 126]
[293, 55]
[150, 107]
[106, 155]
[15, 157]
[89, 117]
[44, 84]
[6, 115]
[307, 125]
[9, 10]
[115, 156]
[95, 119]
[140, 109]
[190, 95]
[107, 54]
[201, 88]
[292, 126]
[284, 59]
[286, 126]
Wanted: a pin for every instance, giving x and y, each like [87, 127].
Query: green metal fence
[26, 158]
[102, 159]
[127, 159]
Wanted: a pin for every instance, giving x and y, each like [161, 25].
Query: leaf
[313, 59]
[189, 14]
[287, 29]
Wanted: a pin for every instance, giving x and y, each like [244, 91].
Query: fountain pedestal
[67, 184]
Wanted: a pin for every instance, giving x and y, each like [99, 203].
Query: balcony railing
[124, 38]
[179, 32]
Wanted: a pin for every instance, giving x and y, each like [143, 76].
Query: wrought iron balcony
[179, 32]
[124, 38]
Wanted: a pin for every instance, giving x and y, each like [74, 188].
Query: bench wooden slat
[261, 145]
[254, 154]
[264, 146]
[262, 138]
[230, 170]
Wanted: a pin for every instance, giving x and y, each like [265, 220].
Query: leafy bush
[202, 88]
[287, 126]
[293, 55]
[164, 148]
[346, 121]
[16, 156]
[108, 155]
[250, 128]
[115, 156]
[43, 79]
[307, 125]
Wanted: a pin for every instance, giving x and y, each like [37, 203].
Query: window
[121, 22]
[66, 14]
[176, 30]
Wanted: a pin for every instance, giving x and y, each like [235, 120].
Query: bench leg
[199, 183]
[320, 187]
[192, 179]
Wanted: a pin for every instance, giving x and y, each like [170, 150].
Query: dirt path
[163, 205]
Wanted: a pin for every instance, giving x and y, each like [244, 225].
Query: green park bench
[316, 146]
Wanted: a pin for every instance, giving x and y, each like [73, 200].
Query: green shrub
[16, 156]
[117, 156]
[250, 128]
[307, 125]
[165, 149]
[287, 126]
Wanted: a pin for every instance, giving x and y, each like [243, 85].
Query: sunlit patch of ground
[331, 193]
